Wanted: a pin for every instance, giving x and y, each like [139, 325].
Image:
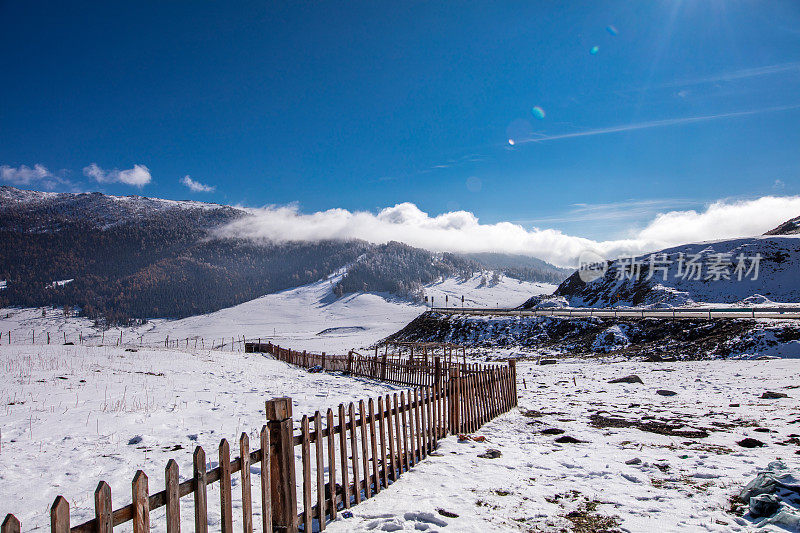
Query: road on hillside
[678, 312]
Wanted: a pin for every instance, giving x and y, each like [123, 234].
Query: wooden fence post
[320, 470]
[200, 491]
[343, 452]
[350, 362]
[225, 488]
[247, 499]
[383, 367]
[173, 497]
[10, 524]
[59, 516]
[141, 503]
[331, 463]
[103, 508]
[323, 360]
[512, 365]
[284, 492]
[455, 400]
[266, 483]
[306, 458]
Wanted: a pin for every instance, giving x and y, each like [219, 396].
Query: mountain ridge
[134, 258]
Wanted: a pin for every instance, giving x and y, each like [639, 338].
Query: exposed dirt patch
[651, 426]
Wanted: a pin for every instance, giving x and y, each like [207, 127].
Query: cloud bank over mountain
[462, 231]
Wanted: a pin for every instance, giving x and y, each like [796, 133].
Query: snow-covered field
[295, 317]
[73, 415]
[620, 478]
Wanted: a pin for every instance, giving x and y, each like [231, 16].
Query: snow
[677, 484]
[69, 413]
[775, 283]
[612, 338]
[309, 317]
[508, 292]
[73, 415]
[3, 284]
[133, 202]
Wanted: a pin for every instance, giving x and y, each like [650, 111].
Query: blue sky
[362, 106]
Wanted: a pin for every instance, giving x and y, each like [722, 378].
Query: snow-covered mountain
[133, 258]
[37, 211]
[751, 271]
[790, 227]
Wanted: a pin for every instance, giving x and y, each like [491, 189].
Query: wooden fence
[413, 372]
[345, 456]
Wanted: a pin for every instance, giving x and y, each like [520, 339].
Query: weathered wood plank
[382, 432]
[172, 497]
[331, 464]
[374, 445]
[59, 516]
[392, 441]
[10, 524]
[225, 487]
[417, 423]
[141, 503]
[200, 494]
[365, 450]
[354, 453]
[282, 467]
[343, 452]
[247, 498]
[306, 457]
[103, 509]
[404, 408]
[320, 471]
[266, 482]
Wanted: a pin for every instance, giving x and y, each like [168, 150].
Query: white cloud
[461, 231]
[25, 176]
[196, 186]
[138, 176]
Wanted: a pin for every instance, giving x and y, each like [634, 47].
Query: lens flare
[519, 131]
[594, 49]
[538, 112]
[611, 29]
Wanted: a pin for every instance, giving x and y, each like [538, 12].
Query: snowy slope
[508, 292]
[294, 317]
[777, 279]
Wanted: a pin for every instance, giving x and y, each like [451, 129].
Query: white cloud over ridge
[461, 231]
[25, 176]
[196, 186]
[138, 176]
